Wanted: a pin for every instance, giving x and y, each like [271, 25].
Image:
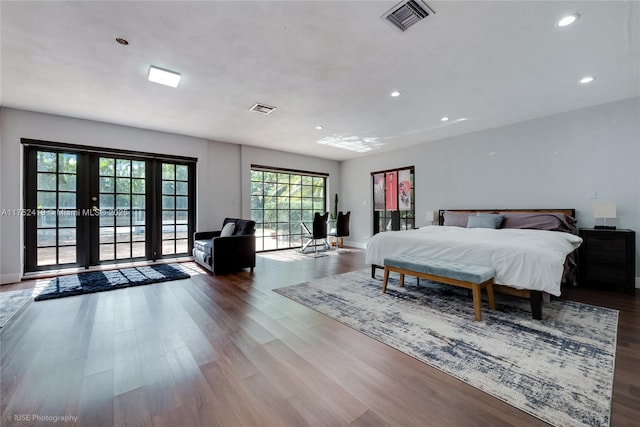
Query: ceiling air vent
[262, 108]
[405, 14]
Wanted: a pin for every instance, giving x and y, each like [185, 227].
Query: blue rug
[12, 303]
[559, 369]
[99, 281]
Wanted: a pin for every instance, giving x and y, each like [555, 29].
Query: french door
[86, 208]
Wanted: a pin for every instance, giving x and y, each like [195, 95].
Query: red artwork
[392, 191]
[404, 189]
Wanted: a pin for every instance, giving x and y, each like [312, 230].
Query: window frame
[287, 218]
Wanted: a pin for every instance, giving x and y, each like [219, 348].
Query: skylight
[352, 142]
[164, 77]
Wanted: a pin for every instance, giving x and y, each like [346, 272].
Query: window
[393, 199]
[280, 201]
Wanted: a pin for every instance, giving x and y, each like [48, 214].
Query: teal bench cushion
[437, 267]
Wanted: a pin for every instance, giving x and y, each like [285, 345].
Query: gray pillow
[457, 219]
[227, 230]
[481, 221]
[541, 221]
[498, 218]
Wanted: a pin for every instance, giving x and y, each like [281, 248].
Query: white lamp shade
[605, 210]
[430, 216]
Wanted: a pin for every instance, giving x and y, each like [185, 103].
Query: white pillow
[227, 230]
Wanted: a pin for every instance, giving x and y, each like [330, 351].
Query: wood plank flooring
[227, 351]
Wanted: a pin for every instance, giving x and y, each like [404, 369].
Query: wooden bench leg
[490, 295]
[401, 280]
[477, 301]
[384, 280]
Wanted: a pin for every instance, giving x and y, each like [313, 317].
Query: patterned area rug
[12, 303]
[98, 281]
[559, 369]
[292, 255]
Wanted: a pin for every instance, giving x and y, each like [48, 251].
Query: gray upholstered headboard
[570, 212]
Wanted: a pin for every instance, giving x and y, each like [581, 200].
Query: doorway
[86, 208]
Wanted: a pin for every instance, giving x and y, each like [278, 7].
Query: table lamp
[431, 217]
[606, 211]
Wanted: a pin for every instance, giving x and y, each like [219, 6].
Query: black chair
[227, 254]
[342, 227]
[319, 232]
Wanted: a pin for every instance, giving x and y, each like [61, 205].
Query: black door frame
[87, 186]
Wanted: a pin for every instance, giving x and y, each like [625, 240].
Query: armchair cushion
[228, 229]
[244, 227]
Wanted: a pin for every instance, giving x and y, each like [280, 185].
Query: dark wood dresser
[606, 259]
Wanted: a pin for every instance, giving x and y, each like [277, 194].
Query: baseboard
[5, 279]
[351, 243]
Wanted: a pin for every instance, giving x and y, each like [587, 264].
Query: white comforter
[523, 259]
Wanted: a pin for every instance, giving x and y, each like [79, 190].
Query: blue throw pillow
[499, 218]
[484, 221]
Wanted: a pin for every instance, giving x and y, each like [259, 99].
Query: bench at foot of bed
[474, 277]
[535, 297]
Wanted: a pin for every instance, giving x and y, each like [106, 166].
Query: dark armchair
[230, 253]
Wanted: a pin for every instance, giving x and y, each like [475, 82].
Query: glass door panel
[122, 225]
[56, 186]
[175, 209]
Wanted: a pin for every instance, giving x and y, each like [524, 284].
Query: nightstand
[607, 259]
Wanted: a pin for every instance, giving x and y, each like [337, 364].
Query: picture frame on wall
[378, 192]
[404, 190]
[392, 191]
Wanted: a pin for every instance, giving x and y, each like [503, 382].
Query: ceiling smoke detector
[262, 108]
[406, 13]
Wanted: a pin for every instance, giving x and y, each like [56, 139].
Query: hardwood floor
[227, 351]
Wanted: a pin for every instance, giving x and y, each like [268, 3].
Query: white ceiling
[320, 63]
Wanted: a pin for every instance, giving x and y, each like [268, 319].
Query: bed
[532, 250]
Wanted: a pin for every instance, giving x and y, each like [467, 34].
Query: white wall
[218, 175]
[552, 162]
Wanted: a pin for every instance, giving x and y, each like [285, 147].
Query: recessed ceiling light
[568, 20]
[122, 41]
[444, 119]
[164, 77]
[319, 127]
[395, 93]
[587, 79]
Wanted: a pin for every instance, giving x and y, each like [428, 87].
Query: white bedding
[523, 259]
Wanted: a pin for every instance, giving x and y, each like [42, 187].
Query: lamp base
[605, 227]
